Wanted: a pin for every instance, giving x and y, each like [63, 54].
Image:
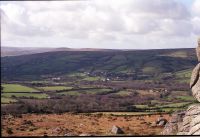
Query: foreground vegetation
[72, 124]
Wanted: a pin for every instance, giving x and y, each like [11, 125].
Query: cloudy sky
[116, 24]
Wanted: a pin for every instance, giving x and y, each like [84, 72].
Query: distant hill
[16, 51]
[138, 62]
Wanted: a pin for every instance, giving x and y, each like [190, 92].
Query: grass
[168, 109]
[54, 88]
[123, 93]
[184, 75]
[17, 88]
[39, 81]
[70, 93]
[77, 75]
[174, 105]
[124, 113]
[165, 107]
[92, 78]
[181, 54]
[141, 106]
[5, 100]
[149, 69]
[169, 105]
[27, 95]
[186, 98]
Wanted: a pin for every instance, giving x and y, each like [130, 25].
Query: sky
[110, 24]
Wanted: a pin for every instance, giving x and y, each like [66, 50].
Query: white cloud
[196, 17]
[195, 7]
[98, 23]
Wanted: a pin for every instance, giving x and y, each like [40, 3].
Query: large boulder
[191, 121]
[190, 124]
[117, 130]
[195, 82]
[172, 127]
[85, 134]
[184, 123]
[161, 122]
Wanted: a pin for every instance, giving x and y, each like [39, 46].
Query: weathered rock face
[171, 128]
[191, 120]
[189, 123]
[198, 50]
[195, 82]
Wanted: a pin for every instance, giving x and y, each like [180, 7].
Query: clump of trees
[82, 103]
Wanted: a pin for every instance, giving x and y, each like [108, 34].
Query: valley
[93, 88]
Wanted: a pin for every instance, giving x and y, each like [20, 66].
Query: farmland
[92, 91]
[95, 98]
[17, 88]
[54, 88]
[24, 95]
[11, 92]
[5, 100]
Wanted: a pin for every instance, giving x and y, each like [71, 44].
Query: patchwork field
[17, 88]
[25, 95]
[5, 100]
[11, 92]
[54, 88]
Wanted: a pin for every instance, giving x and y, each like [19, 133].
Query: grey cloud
[98, 20]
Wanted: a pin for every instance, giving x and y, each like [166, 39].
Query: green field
[70, 93]
[7, 100]
[169, 105]
[26, 95]
[54, 88]
[186, 98]
[17, 88]
[164, 107]
[175, 104]
[123, 93]
[181, 54]
[92, 78]
[76, 74]
[141, 106]
[184, 75]
[125, 113]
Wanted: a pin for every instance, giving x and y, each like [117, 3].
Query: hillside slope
[139, 62]
[17, 51]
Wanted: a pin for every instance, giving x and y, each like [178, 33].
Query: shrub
[9, 131]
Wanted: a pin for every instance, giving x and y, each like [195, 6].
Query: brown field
[76, 124]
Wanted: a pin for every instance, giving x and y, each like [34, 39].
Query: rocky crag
[188, 122]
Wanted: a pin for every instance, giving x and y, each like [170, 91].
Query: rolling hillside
[17, 51]
[137, 63]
